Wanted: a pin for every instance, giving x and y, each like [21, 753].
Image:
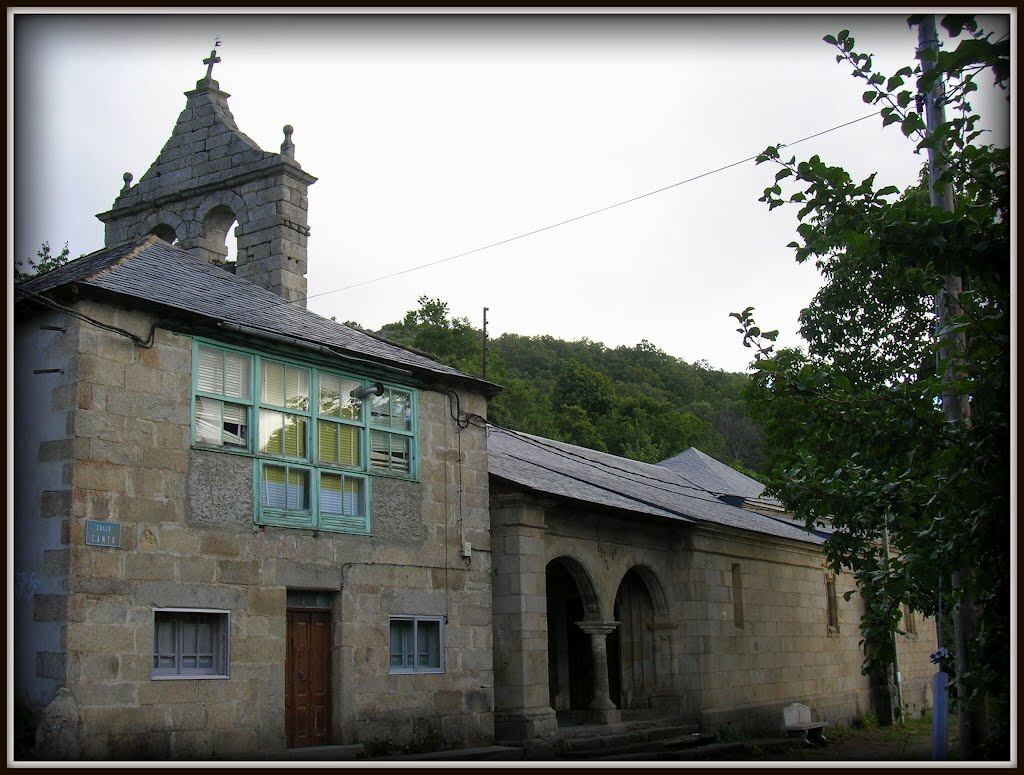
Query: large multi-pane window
[314, 443]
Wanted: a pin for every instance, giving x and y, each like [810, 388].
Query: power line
[602, 466]
[548, 445]
[575, 218]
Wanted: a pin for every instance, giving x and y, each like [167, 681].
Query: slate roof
[704, 471]
[150, 269]
[581, 474]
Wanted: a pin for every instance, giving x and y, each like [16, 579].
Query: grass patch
[864, 721]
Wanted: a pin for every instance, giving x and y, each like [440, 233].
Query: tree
[634, 401]
[853, 425]
[431, 328]
[45, 262]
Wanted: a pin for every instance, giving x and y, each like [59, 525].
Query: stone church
[243, 529]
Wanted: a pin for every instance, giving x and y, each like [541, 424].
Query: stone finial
[288, 147]
[127, 178]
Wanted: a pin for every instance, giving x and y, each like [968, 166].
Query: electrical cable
[145, 343]
[566, 221]
[579, 458]
[595, 463]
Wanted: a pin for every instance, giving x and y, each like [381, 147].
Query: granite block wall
[188, 540]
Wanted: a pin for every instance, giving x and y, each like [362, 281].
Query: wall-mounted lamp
[376, 389]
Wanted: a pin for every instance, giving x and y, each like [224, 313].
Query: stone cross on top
[211, 61]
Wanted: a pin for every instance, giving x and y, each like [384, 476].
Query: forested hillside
[638, 402]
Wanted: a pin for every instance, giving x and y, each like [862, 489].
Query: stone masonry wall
[916, 667]
[43, 341]
[784, 651]
[133, 463]
[721, 671]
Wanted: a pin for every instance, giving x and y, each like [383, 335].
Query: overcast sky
[434, 135]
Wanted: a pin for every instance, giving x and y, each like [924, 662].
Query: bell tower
[210, 175]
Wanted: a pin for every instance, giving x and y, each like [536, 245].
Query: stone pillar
[521, 705]
[602, 709]
[272, 243]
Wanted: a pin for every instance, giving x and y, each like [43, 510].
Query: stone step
[489, 753]
[624, 738]
[630, 744]
[706, 751]
[320, 753]
[571, 731]
[715, 750]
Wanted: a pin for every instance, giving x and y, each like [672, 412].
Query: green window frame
[315, 448]
[222, 415]
[393, 431]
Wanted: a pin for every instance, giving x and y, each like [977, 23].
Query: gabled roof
[585, 475]
[153, 271]
[704, 471]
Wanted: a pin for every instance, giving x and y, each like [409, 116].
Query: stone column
[602, 709]
[521, 705]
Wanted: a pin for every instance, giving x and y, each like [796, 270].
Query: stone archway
[632, 648]
[577, 656]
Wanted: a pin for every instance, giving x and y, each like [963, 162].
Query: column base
[524, 724]
[604, 715]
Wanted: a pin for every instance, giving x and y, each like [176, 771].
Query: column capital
[597, 628]
[510, 509]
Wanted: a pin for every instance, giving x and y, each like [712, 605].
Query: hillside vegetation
[638, 402]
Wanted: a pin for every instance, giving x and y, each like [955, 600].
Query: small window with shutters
[416, 644]
[190, 643]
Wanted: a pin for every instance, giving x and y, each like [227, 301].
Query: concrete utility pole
[972, 720]
[485, 343]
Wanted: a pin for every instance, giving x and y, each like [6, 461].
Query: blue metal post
[940, 715]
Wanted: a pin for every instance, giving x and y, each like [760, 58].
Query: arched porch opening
[632, 649]
[571, 598]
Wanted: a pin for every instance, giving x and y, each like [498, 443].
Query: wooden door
[307, 682]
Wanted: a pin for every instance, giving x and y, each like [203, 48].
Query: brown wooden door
[307, 682]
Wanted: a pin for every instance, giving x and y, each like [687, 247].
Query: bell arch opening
[165, 232]
[571, 597]
[218, 236]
